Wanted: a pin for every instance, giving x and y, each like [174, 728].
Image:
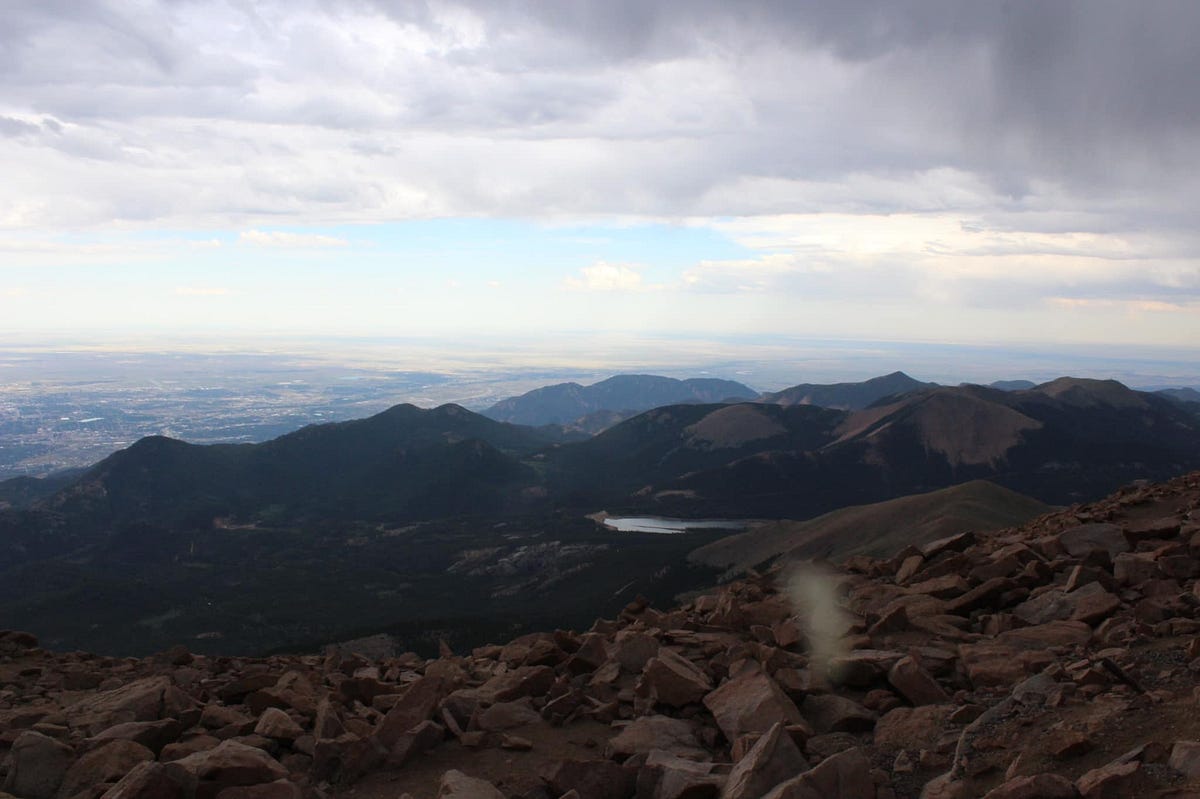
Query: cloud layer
[197, 112]
[983, 153]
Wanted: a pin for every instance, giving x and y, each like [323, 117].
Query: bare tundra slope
[1054, 659]
[881, 529]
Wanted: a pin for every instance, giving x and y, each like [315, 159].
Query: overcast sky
[923, 171]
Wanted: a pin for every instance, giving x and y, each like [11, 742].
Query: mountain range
[406, 462]
[1180, 394]
[446, 520]
[1059, 442]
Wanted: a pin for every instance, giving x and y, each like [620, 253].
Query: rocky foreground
[1060, 659]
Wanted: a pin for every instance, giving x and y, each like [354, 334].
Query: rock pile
[1060, 659]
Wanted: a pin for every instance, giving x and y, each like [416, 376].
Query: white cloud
[946, 259]
[280, 238]
[201, 291]
[602, 276]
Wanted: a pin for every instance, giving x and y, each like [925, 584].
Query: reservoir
[656, 524]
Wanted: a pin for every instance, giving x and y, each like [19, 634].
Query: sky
[997, 173]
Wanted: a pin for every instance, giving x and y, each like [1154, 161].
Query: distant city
[65, 407]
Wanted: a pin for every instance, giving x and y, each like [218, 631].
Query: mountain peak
[1083, 391]
[847, 396]
[566, 403]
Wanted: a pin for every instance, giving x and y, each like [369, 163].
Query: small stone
[456, 785]
[515, 743]
[1185, 758]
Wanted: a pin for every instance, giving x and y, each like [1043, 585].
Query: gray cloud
[10, 126]
[1089, 110]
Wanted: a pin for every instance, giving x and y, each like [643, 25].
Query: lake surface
[656, 524]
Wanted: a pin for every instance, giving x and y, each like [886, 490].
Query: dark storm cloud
[1099, 92]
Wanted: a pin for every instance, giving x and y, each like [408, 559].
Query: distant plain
[66, 404]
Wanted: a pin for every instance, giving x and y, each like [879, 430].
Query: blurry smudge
[815, 597]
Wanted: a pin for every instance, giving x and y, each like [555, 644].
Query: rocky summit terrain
[1057, 659]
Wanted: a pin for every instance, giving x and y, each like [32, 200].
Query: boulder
[154, 781]
[1113, 781]
[1089, 604]
[591, 654]
[908, 567]
[327, 723]
[507, 715]
[274, 723]
[421, 738]
[773, 759]
[665, 776]
[1013, 654]
[631, 649]
[215, 716]
[862, 668]
[1132, 569]
[523, 681]
[647, 733]
[109, 763]
[833, 713]
[1082, 541]
[591, 779]
[750, 704]
[237, 689]
[948, 586]
[347, 757]
[846, 775]
[952, 543]
[140, 700]
[912, 727]
[189, 746]
[982, 595]
[154, 735]
[916, 684]
[233, 763]
[418, 704]
[37, 765]
[671, 679]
